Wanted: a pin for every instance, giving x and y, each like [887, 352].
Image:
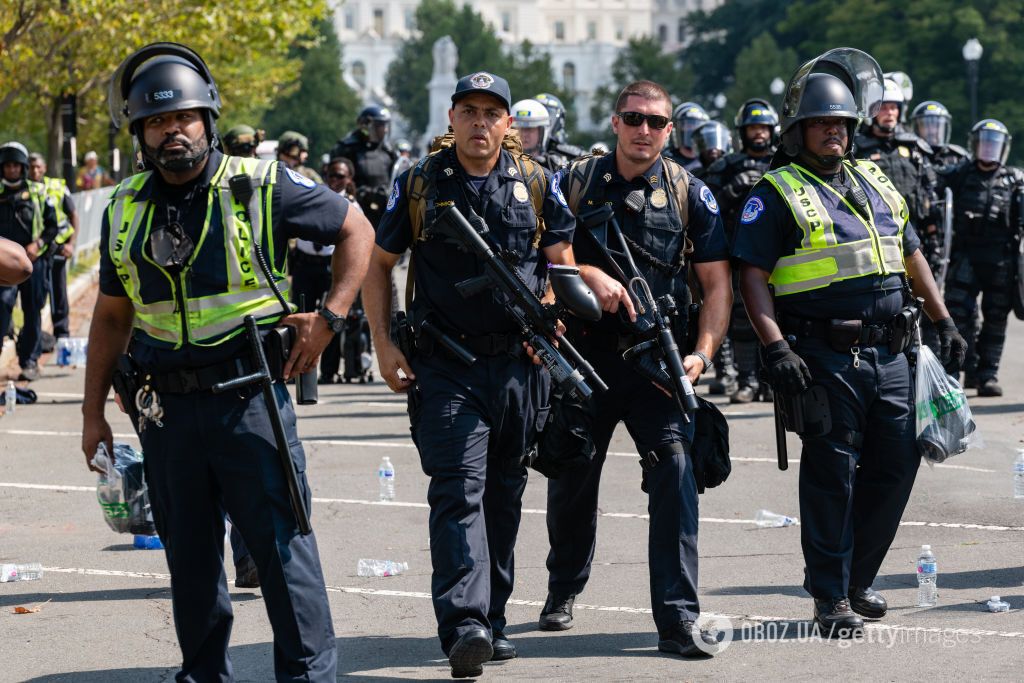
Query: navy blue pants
[852, 498]
[653, 420]
[60, 308]
[472, 426]
[994, 281]
[217, 454]
[33, 297]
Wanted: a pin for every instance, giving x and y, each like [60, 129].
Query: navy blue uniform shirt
[657, 228]
[767, 231]
[503, 200]
[300, 209]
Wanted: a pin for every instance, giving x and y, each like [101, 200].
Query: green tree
[319, 103]
[527, 70]
[757, 65]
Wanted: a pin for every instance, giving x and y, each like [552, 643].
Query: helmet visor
[857, 69]
[934, 129]
[711, 137]
[991, 145]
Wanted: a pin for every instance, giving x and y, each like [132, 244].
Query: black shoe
[970, 380]
[765, 394]
[30, 373]
[990, 387]
[835, 618]
[47, 342]
[557, 613]
[503, 648]
[743, 395]
[468, 654]
[680, 638]
[867, 602]
[246, 575]
[720, 386]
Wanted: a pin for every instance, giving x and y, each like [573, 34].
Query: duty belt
[838, 333]
[192, 380]
[607, 340]
[491, 344]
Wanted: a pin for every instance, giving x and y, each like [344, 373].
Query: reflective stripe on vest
[55, 188]
[211, 319]
[37, 193]
[833, 246]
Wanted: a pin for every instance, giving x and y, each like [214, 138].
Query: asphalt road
[105, 610]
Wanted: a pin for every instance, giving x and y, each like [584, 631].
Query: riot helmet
[14, 153]
[161, 78]
[531, 115]
[291, 145]
[933, 123]
[376, 121]
[843, 82]
[556, 117]
[892, 94]
[906, 86]
[686, 118]
[756, 112]
[713, 140]
[242, 140]
[403, 146]
[989, 141]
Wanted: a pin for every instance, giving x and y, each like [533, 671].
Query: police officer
[657, 236]
[242, 141]
[557, 142]
[28, 217]
[471, 424]
[15, 265]
[176, 238]
[293, 151]
[686, 118]
[533, 123]
[374, 157]
[987, 224]
[64, 244]
[839, 320]
[730, 179]
[933, 123]
[713, 141]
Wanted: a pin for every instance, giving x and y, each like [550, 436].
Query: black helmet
[556, 116]
[989, 140]
[686, 118]
[14, 152]
[757, 112]
[374, 113]
[160, 78]
[932, 122]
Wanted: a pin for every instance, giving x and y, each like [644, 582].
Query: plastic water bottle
[1018, 475]
[766, 519]
[79, 346]
[927, 574]
[381, 567]
[997, 605]
[10, 397]
[365, 361]
[386, 476]
[21, 572]
[63, 351]
[144, 542]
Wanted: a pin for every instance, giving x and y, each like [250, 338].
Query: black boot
[682, 638]
[469, 653]
[557, 613]
[835, 619]
[990, 387]
[867, 602]
[503, 648]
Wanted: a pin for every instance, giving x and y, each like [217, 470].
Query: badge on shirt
[556, 189]
[708, 199]
[299, 179]
[659, 199]
[519, 192]
[393, 199]
[751, 210]
[904, 151]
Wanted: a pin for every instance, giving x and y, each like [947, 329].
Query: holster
[808, 414]
[126, 386]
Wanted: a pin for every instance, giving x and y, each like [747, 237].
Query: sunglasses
[635, 119]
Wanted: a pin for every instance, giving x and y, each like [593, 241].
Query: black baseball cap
[484, 82]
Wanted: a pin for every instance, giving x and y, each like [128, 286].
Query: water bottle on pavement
[21, 572]
[10, 397]
[927, 573]
[63, 351]
[381, 567]
[1018, 475]
[997, 605]
[386, 476]
[766, 519]
[144, 542]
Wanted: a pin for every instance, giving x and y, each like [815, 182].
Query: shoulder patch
[751, 210]
[299, 179]
[556, 189]
[393, 199]
[708, 199]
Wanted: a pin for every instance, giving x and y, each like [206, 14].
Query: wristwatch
[704, 359]
[334, 321]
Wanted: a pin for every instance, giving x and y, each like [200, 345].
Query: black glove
[739, 186]
[788, 372]
[952, 347]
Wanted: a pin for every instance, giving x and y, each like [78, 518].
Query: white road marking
[358, 590]
[535, 511]
[409, 444]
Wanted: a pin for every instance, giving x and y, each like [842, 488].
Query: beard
[758, 145]
[193, 152]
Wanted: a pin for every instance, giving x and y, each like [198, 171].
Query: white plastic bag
[945, 426]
